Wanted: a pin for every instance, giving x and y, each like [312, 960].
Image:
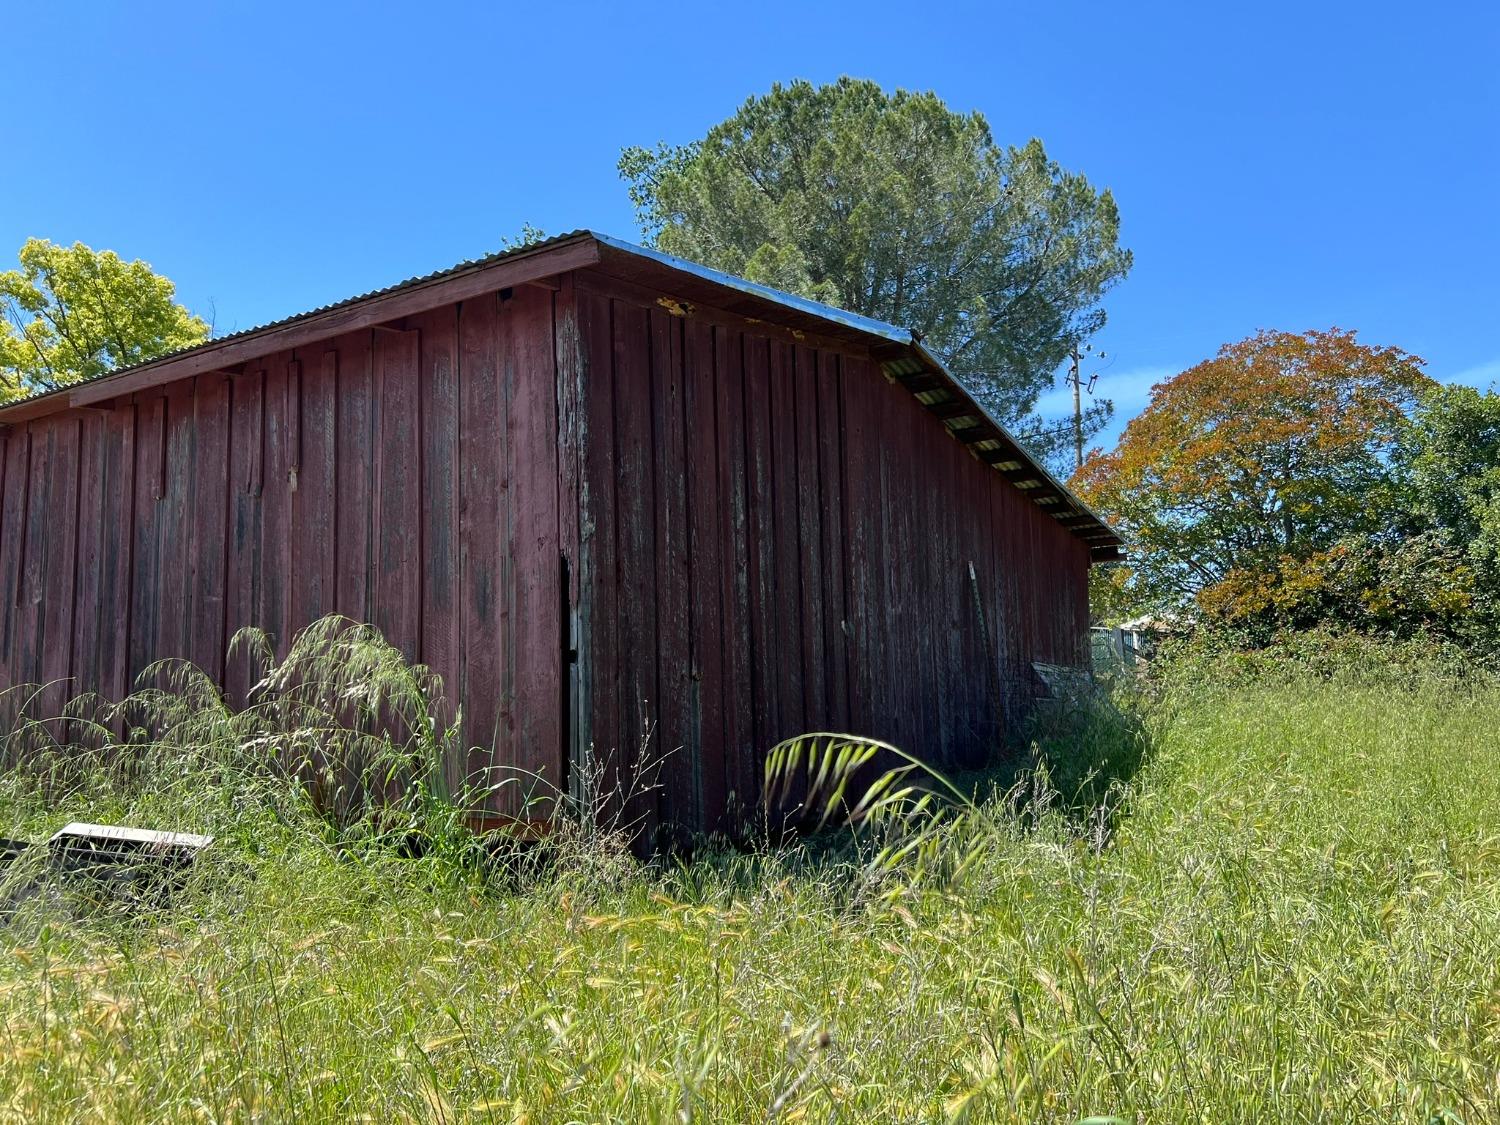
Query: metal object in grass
[125, 859]
[131, 865]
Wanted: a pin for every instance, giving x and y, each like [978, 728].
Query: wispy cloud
[1129, 390]
[1481, 375]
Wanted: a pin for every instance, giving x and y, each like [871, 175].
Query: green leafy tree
[528, 235]
[1276, 449]
[1450, 463]
[71, 313]
[896, 207]
[1450, 454]
[1380, 584]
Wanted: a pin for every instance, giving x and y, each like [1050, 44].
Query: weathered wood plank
[1008, 506]
[670, 473]
[175, 529]
[973, 521]
[742, 765]
[274, 606]
[242, 556]
[893, 656]
[832, 524]
[707, 509]
[84, 646]
[951, 707]
[860, 458]
[312, 482]
[12, 502]
[765, 628]
[991, 568]
[601, 682]
[574, 506]
[923, 620]
[806, 437]
[925, 563]
[482, 443]
[788, 576]
[441, 592]
[33, 562]
[355, 496]
[54, 620]
[209, 516]
[15, 501]
[120, 441]
[536, 672]
[635, 496]
[145, 582]
[396, 603]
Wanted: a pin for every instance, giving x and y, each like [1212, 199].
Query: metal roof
[1107, 547]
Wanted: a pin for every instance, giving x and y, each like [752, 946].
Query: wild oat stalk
[922, 820]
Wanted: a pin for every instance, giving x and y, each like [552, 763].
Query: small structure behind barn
[601, 491]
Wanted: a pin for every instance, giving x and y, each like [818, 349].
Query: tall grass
[1294, 915]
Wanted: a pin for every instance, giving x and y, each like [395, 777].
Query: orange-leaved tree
[1273, 450]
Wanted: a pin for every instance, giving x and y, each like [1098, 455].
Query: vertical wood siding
[744, 534]
[406, 477]
[779, 539]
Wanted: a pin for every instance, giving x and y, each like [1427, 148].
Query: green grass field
[1291, 913]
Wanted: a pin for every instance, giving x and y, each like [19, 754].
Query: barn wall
[776, 539]
[753, 534]
[406, 477]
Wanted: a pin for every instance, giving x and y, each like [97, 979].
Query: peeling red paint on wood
[313, 522]
[243, 560]
[481, 455]
[209, 514]
[535, 674]
[395, 536]
[671, 476]
[738, 748]
[636, 552]
[273, 608]
[440, 644]
[743, 535]
[706, 684]
[599, 558]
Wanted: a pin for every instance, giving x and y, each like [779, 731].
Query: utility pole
[1076, 380]
[1075, 377]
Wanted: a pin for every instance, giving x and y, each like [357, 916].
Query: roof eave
[890, 338]
[1072, 497]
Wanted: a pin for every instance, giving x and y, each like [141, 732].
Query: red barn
[598, 489]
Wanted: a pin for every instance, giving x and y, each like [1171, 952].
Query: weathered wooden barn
[598, 489]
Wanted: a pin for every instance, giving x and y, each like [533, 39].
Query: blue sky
[1276, 165]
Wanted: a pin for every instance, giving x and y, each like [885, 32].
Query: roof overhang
[900, 353]
[901, 356]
